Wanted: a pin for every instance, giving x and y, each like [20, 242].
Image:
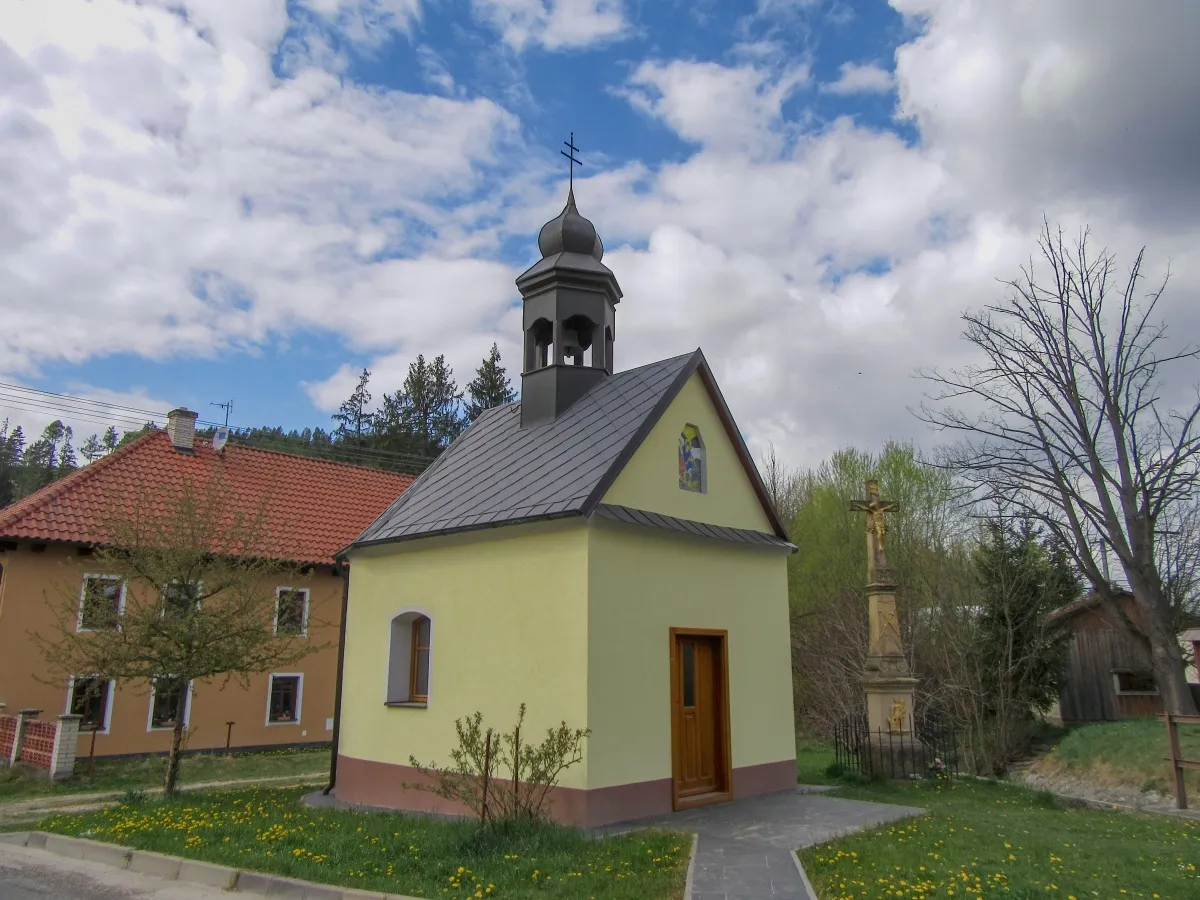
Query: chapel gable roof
[498, 473]
[313, 507]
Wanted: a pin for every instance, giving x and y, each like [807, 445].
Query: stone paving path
[744, 846]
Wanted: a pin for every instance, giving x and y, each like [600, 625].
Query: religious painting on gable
[691, 460]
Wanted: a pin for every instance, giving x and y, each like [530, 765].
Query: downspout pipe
[337, 694]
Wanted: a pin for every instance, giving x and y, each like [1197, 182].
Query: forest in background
[405, 432]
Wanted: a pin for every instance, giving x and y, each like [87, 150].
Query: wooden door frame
[724, 754]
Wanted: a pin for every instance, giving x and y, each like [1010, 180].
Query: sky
[203, 200]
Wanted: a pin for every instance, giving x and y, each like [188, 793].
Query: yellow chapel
[603, 551]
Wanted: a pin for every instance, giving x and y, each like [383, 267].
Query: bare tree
[787, 487]
[197, 574]
[1064, 421]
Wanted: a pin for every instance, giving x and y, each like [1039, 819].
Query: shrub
[498, 776]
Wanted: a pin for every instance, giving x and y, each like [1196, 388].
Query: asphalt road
[38, 875]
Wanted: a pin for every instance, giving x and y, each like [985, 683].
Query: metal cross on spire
[570, 145]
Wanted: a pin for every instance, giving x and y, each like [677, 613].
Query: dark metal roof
[498, 473]
[700, 529]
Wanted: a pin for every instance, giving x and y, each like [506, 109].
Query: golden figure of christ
[876, 527]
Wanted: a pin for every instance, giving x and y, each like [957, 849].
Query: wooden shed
[1108, 674]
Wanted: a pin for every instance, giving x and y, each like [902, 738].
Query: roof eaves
[689, 526]
[743, 451]
[460, 527]
[23, 507]
[644, 428]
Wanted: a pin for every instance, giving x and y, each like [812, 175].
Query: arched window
[692, 476]
[408, 662]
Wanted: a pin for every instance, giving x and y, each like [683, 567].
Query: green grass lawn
[813, 757]
[147, 772]
[1128, 752]
[270, 831]
[987, 839]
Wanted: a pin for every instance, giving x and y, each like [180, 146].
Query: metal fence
[929, 752]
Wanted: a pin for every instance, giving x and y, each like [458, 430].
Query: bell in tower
[569, 317]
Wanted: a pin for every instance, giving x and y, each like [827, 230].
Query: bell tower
[569, 317]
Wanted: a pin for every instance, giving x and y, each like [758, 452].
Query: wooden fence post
[1173, 759]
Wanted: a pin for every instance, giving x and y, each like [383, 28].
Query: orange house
[312, 507]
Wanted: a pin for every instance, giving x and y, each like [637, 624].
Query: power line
[83, 415]
[105, 403]
[131, 418]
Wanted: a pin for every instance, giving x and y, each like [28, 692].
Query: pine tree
[93, 448]
[67, 463]
[490, 387]
[424, 416]
[110, 440]
[355, 423]
[42, 461]
[12, 447]
[1023, 579]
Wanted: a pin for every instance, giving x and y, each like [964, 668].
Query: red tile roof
[314, 507]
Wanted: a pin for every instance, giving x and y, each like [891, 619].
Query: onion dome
[569, 232]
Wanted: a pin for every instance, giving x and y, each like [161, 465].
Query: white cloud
[553, 24]
[1082, 100]
[721, 107]
[166, 192]
[163, 174]
[819, 275]
[368, 21]
[435, 72]
[861, 79]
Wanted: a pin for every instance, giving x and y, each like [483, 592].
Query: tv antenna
[227, 406]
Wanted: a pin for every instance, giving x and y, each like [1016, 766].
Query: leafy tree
[199, 604]
[424, 416]
[827, 575]
[490, 387]
[130, 436]
[12, 448]
[355, 422]
[1063, 420]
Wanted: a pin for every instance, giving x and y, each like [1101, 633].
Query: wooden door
[699, 718]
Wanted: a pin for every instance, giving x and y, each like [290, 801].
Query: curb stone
[207, 873]
[175, 868]
[811, 891]
[145, 862]
[687, 884]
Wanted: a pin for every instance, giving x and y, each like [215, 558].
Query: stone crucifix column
[887, 680]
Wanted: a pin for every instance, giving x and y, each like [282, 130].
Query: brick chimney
[181, 427]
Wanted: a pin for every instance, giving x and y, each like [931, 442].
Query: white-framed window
[1134, 683]
[409, 658]
[101, 602]
[170, 700]
[91, 698]
[181, 596]
[285, 698]
[291, 611]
